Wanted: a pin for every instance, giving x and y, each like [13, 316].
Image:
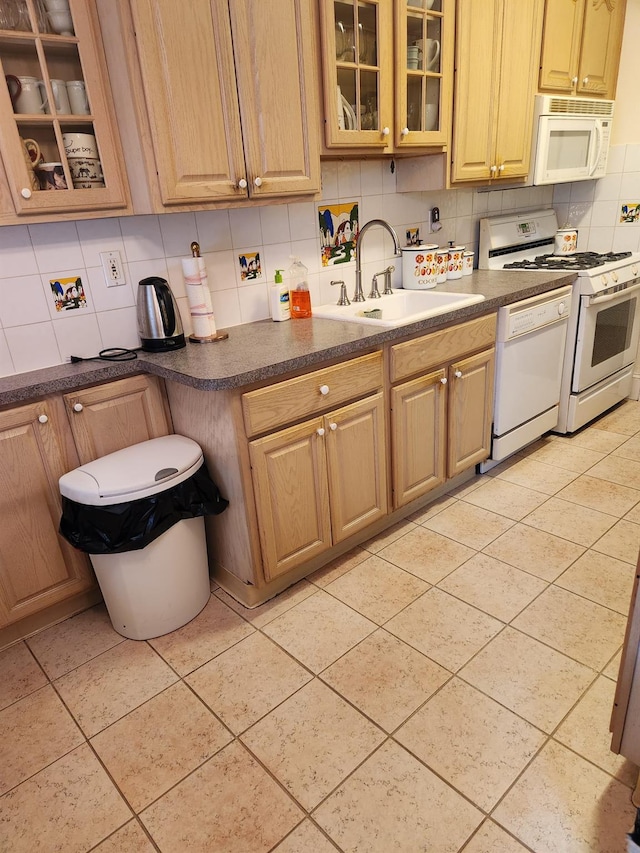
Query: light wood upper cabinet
[108, 417]
[387, 73]
[497, 58]
[218, 99]
[581, 46]
[38, 568]
[29, 52]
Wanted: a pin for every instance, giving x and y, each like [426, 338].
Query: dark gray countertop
[265, 349]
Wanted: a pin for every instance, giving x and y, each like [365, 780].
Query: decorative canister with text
[419, 268]
[467, 263]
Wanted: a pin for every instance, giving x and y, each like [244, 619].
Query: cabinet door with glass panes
[59, 148]
[357, 44]
[424, 72]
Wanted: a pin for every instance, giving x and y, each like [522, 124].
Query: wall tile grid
[33, 334]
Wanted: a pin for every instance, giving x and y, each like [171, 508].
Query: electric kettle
[159, 323]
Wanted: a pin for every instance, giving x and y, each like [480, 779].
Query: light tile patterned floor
[445, 687]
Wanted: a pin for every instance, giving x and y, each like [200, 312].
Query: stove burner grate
[580, 261]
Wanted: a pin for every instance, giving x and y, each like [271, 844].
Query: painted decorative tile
[68, 293]
[630, 212]
[250, 267]
[338, 224]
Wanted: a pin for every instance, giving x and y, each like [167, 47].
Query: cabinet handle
[457, 373]
[385, 131]
[78, 407]
[404, 131]
[333, 426]
[574, 81]
[43, 419]
[320, 431]
[585, 80]
[25, 192]
[501, 168]
[242, 184]
[324, 390]
[443, 380]
[258, 181]
[493, 169]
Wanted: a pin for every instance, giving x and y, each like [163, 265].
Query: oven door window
[607, 339]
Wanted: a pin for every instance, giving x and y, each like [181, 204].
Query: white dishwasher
[530, 349]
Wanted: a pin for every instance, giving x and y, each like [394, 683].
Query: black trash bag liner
[132, 525]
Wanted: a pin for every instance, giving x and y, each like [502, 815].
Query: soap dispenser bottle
[299, 296]
[279, 299]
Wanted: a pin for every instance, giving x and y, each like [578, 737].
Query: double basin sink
[398, 308]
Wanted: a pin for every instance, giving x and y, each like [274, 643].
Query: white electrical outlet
[113, 270]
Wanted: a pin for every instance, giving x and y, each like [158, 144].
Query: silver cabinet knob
[324, 390]
[333, 427]
[444, 380]
[457, 373]
[258, 181]
[320, 431]
[78, 407]
[242, 184]
[25, 192]
[43, 419]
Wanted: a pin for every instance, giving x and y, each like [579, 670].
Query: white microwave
[570, 139]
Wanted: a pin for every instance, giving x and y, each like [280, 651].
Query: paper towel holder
[211, 339]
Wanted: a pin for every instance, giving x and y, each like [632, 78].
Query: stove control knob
[614, 276]
[634, 270]
[604, 280]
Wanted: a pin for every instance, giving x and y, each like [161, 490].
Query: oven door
[608, 328]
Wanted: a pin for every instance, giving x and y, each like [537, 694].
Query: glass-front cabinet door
[58, 145]
[357, 44]
[424, 70]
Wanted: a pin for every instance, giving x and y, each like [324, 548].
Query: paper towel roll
[199, 296]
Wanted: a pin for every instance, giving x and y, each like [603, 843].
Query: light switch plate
[113, 270]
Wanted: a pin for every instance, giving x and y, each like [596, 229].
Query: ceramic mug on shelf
[32, 157]
[51, 176]
[25, 94]
[59, 16]
[80, 145]
[430, 116]
[60, 97]
[85, 169]
[432, 54]
[414, 57]
[77, 92]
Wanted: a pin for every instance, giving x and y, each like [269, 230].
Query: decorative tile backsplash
[34, 334]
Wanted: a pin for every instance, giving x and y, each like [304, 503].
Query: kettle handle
[165, 304]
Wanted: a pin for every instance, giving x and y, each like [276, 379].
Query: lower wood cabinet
[319, 482]
[441, 420]
[39, 442]
[108, 417]
[38, 568]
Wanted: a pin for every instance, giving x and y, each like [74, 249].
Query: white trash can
[155, 589]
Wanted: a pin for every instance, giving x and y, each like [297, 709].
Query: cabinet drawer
[295, 399]
[422, 354]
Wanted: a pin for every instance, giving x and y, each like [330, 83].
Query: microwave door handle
[600, 300]
[596, 159]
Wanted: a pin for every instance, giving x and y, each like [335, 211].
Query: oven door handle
[601, 300]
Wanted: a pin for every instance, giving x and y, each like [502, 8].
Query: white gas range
[604, 323]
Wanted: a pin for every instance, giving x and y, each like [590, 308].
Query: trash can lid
[135, 472]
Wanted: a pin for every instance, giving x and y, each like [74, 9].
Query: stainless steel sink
[399, 308]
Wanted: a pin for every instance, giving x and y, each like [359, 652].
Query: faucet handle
[344, 299]
[375, 293]
[387, 281]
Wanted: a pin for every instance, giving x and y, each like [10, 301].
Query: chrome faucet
[358, 296]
